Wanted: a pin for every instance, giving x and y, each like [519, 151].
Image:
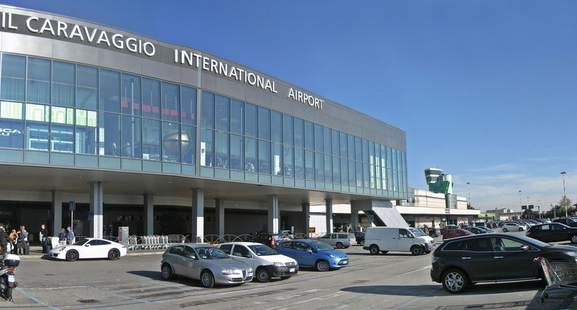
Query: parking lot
[392, 281]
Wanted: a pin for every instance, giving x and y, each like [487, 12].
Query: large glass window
[236, 116]
[299, 133]
[86, 87]
[110, 141]
[207, 148]
[222, 113]
[188, 105]
[12, 134]
[319, 141]
[38, 87]
[309, 165]
[287, 129]
[170, 107]
[131, 137]
[131, 102]
[264, 123]
[86, 134]
[276, 127]
[288, 161]
[299, 163]
[63, 80]
[221, 146]
[309, 136]
[151, 139]
[207, 110]
[264, 157]
[188, 144]
[236, 152]
[110, 91]
[277, 159]
[150, 98]
[13, 77]
[171, 141]
[250, 154]
[250, 120]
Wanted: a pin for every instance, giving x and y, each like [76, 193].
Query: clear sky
[484, 89]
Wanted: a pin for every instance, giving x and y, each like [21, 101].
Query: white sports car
[89, 248]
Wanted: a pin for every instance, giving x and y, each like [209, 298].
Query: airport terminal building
[105, 128]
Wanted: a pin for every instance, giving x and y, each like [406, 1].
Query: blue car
[312, 253]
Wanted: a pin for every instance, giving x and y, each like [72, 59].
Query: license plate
[11, 278]
[344, 262]
[292, 270]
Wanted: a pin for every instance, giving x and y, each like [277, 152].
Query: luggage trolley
[559, 274]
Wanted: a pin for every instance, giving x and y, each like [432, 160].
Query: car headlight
[332, 256]
[278, 264]
[230, 271]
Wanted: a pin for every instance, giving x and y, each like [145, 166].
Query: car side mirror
[525, 248]
[310, 251]
[248, 256]
[87, 245]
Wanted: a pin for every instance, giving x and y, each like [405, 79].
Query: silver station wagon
[203, 262]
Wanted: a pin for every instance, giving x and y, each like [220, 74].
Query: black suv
[460, 262]
[552, 232]
[271, 240]
[569, 221]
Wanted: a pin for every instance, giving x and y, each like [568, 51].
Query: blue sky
[484, 89]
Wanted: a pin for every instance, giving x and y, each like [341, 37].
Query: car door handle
[466, 257]
[498, 257]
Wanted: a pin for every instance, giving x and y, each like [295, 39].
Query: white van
[405, 239]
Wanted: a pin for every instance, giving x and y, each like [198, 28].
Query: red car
[455, 232]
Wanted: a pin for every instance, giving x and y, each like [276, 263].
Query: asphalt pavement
[557, 299]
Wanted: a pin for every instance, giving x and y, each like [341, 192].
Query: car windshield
[80, 242]
[417, 232]
[262, 250]
[211, 253]
[321, 246]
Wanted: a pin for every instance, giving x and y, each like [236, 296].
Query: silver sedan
[203, 262]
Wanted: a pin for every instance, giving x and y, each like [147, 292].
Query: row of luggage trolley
[154, 242]
[558, 274]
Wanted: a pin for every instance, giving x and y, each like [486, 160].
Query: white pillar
[219, 204]
[197, 219]
[96, 209]
[273, 215]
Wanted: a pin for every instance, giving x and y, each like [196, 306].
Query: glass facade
[54, 106]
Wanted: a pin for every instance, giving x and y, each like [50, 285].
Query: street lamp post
[468, 194]
[563, 173]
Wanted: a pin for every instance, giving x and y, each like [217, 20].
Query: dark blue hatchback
[312, 253]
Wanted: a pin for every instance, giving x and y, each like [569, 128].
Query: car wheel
[113, 254]
[455, 281]
[322, 265]
[71, 255]
[362, 243]
[521, 228]
[262, 275]
[166, 272]
[340, 245]
[417, 250]
[505, 229]
[574, 239]
[207, 279]
[374, 250]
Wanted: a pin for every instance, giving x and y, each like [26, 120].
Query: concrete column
[355, 208]
[329, 214]
[56, 212]
[273, 215]
[306, 213]
[148, 214]
[219, 203]
[197, 218]
[96, 209]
